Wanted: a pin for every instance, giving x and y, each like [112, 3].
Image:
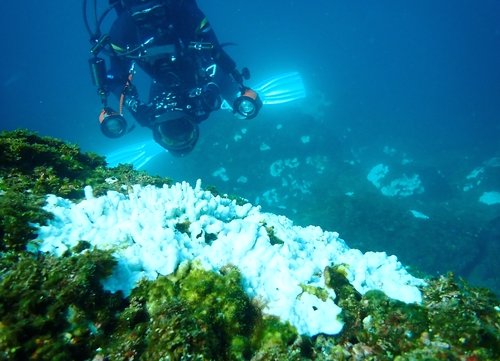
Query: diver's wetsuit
[161, 39]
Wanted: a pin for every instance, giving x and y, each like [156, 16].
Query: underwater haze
[396, 145]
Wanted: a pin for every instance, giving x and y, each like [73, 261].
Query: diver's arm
[119, 77]
[121, 34]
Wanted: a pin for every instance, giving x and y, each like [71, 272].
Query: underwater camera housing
[178, 135]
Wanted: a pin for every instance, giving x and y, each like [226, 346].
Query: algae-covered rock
[455, 321]
[54, 308]
[197, 315]
[463, 316]
[45, 165]
[24, 151]
[18, 211]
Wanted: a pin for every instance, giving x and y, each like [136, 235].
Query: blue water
[387, 82]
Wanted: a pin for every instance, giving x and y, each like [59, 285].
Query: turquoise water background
[413, 85]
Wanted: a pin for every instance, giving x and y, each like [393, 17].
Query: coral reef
[55, 308]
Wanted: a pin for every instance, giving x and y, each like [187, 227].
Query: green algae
[19, 209]
[347, 298]
[319, 292]
[55, 308]
[272, 235]
[183, 227]
[197, 315]
[462, 315]
[24, 150]
[43, 165]
[455, 321]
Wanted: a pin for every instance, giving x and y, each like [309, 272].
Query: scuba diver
[192, 75]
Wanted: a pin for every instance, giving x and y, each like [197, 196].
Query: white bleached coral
[403, 186]
[141, 229]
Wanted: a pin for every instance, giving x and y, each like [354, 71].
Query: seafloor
[55, 308]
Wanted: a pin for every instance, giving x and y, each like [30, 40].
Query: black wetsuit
[173, 43]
